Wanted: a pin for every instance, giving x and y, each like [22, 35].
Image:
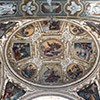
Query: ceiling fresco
[51, 52]
[50, 48]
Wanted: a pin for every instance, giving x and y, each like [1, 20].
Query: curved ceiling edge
[49, 55]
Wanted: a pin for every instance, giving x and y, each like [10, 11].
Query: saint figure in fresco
[29, 71]
[21, 50]
[51, 75]
[89, 92]
[51, 48]
[84, 50]
[13, 92]
[75, 72]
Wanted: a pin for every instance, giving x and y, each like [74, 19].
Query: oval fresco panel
[51, 48]
[52, 58]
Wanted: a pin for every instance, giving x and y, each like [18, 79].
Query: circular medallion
[74, 71]
[77, 30]
[26, 31]
[51, 48]
[29, 70]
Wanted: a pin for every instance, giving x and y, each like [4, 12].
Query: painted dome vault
[52, 53]
[49, 49]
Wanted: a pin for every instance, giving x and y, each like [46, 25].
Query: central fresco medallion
[51, 48]
[51, 53]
